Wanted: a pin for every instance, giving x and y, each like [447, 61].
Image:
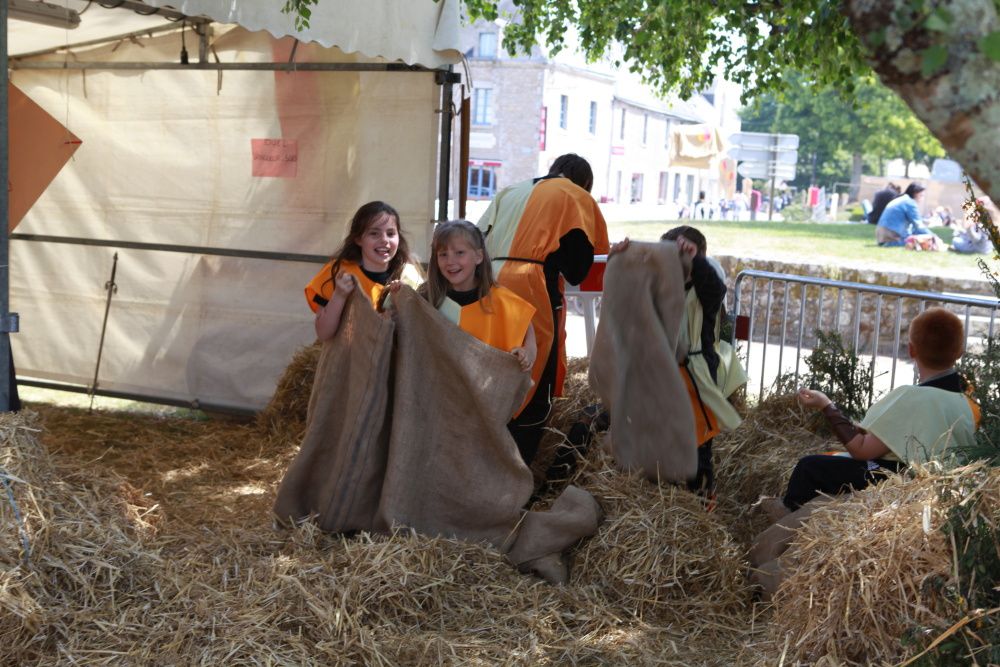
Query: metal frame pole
[446, 79]
[8, 323]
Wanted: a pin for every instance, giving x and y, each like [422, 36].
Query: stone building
[527, 110]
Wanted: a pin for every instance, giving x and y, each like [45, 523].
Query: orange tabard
[322, 284]
[977, 412]
[504, 325]
[706, 426]
[555, 207]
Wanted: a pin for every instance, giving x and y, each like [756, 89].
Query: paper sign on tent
[275, 157]
[39, 146]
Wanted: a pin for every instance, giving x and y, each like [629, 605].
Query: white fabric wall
[166, 159]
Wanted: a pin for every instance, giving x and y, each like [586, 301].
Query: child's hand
[393, 287]
[618, 247]
[344, 284]
[686, 247]
[810, 398]
[525, 357]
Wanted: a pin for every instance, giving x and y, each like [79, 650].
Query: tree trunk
[906, 168]
[958, 103]
[857, 168]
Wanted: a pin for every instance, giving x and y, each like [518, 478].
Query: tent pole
[463, 156]
[446, 78]
[6, 320]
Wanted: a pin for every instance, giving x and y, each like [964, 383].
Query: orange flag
[39, 147]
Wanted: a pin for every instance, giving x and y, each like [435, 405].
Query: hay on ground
[234, 592]
[866, 572]
[756, 459]
[178, 564]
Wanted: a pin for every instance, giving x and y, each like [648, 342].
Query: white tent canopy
[416, 32]
[171, 157]
[413, 31]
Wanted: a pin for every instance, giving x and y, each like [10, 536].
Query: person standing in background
[540, 233]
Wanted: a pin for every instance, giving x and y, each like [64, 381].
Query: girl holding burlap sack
[711, 369]
[373, 254]
[460, 284]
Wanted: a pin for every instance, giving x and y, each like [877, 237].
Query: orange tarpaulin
[39, 147]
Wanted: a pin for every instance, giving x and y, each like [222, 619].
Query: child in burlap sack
[373, 254]
[711, 371]
[460, 284]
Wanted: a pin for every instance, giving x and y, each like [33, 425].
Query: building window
[661, 196]
[645, 128]
[563, 111]
[666, 135]
[482, 106]
[618, 188]
[689, 191]
[593, 118]
[482, 182]
[621, 131]
[487, 45]
[636, 188]
[677, 187]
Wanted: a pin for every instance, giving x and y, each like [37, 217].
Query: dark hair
[575, 168]
[436, 287]
[913, 188]
[364, 218]
[938, 337]
[691, 234]
[895, 188]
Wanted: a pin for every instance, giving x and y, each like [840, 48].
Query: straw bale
[658, 549]
[71, 545]
[284, 417]
[756, 459]
[863, 571]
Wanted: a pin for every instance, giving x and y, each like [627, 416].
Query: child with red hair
[911, 424]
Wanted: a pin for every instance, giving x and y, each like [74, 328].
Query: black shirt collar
[950, 380]
[464, 298]
[381, 277]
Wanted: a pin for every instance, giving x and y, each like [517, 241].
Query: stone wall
[821, 312]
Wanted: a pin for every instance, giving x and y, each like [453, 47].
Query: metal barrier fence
[782, 313]
[871, 320]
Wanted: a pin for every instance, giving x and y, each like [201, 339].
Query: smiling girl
[373, 254]
[460, 284]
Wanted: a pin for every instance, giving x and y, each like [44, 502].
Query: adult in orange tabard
[540, 233]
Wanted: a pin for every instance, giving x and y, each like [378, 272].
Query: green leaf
[933, 59]
[939, 20]
[990, 45]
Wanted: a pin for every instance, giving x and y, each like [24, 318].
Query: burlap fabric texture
[406, 426]
[634, 363]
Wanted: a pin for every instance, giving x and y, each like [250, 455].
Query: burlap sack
[633, 366]
[419, 439]
[336, 478]
[453, 468]
[768, 548]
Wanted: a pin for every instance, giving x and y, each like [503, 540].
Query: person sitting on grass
[901, 224]
[911, 424]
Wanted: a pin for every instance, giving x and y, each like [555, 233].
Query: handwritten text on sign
[275, 157]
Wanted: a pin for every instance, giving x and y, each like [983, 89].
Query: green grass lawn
[846, 244]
